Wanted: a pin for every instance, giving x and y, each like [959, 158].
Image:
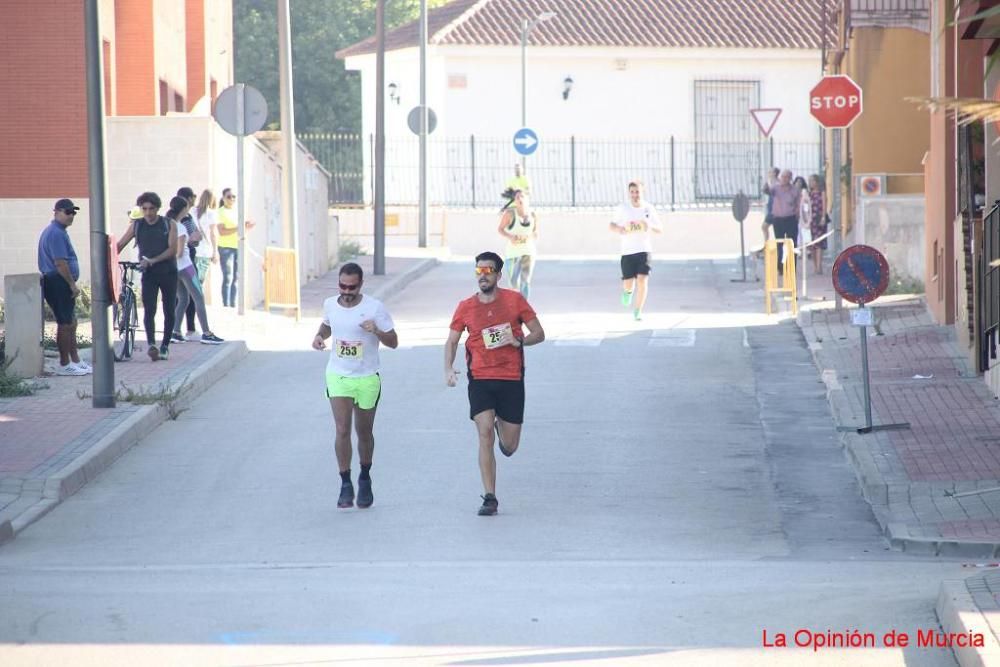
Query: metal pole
[241, 255]
[864, 371]
[422, 237]
[103, 381]
[379, 258]
[524, 76]
[743, 252]
[289, 194]
[835, 182]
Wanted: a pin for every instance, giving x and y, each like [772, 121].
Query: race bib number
[519, 240]
[493, 336]
[635, 226]
[350, 349]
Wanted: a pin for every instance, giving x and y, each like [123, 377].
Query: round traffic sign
[836, 101]
[525, 141]
[413, 120]
[741, 207]
[860, 274]
[254, 109]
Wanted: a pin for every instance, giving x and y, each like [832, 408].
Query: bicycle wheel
[124, 316]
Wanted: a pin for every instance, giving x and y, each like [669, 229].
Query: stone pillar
[22, 295]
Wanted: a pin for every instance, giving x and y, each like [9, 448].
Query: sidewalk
[919, 376]
[54, 442]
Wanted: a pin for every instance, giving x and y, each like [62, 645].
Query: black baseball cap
[65, 205]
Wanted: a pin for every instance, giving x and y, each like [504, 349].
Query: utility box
[22, 294]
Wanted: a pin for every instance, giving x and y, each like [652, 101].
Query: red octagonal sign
[835, 101]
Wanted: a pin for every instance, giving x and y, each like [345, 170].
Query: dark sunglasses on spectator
[484, 270]
[69, 211]
[349, 288]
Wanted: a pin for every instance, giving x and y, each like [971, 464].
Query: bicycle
[126, 313]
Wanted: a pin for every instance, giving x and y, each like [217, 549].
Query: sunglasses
[485, 270]
[230, 196]
[69, 212]
[349, 288]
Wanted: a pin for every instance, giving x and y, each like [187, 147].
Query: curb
[122, 438]
[958, 613]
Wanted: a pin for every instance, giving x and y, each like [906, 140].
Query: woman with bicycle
[156, 238]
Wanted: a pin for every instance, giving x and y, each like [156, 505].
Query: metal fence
[473, 171]
[988, 284]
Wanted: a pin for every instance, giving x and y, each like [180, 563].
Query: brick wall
[195, 34]
[134, 61]
[43, 101]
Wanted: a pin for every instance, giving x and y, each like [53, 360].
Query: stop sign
[835, 101]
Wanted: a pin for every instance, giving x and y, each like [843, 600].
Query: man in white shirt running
[634, 220]
[358, 324]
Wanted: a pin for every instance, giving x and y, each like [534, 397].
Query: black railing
[473, 171]
[989, 289]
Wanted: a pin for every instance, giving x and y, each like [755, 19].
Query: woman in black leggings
[156, 238]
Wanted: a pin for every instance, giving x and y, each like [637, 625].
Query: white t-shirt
[354, 351]
[184, 261]
[631, 218]
[205, 221]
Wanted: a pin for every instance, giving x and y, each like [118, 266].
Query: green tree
[327, 97]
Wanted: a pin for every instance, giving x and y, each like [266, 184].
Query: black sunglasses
[69, 211]
[349, 288]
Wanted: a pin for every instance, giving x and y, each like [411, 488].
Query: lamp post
[526, 28]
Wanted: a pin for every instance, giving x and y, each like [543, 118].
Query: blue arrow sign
[525, 141]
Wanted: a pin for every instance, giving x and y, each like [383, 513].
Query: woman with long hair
[819, 222]
[519, 225]
[188, 284]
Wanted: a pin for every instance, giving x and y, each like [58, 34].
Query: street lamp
[526, 28]
[567, 86]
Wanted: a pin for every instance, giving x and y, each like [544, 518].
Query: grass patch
[165, 395]
[12, 386]
[904, 285]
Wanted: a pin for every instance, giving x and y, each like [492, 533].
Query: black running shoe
[177, 338]
[346, 495]
[503, 450]
[365, 497]
[490, 504]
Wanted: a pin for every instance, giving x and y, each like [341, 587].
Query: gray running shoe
[365, 497]
[490, 504]
[346, 495]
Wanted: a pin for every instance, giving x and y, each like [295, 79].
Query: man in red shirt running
[494, 356]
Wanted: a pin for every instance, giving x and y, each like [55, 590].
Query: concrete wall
[162, 154]
[561, 232]
[663, 79]
[894, 225]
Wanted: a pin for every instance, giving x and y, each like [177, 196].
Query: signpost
[836, 102]
[861, 275]
[525, 141]
[741, 208]
[241, 110]
[766, 119]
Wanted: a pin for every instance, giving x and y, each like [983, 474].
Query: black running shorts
[505, 397]
[635, 264]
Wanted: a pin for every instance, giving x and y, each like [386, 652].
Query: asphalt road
[678, 496]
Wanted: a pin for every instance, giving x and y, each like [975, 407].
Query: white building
[661, 90]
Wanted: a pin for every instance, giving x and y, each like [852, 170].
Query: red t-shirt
[485, 362]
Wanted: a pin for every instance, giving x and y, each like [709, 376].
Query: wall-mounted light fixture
[393, 92]
[567, 86]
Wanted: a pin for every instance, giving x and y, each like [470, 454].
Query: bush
[11, 385]
[84, 306]
[349, 249]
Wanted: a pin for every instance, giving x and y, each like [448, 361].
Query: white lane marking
[673, 338]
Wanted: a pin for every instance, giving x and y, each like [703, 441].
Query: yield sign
[765, 119]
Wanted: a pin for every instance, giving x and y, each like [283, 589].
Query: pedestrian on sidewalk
[494, 352]
[634, 221]
[358, 324]
[228, 243]
[519, 225]
[205, 254]
[772, 180]
[785, 213]
[156, 239]
[194, 237]
[819, 220]
[60, 269]
[805, 229]
[188, 286]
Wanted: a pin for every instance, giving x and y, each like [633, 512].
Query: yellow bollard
[787, 277]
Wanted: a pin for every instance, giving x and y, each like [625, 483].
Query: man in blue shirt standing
[60, 270]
